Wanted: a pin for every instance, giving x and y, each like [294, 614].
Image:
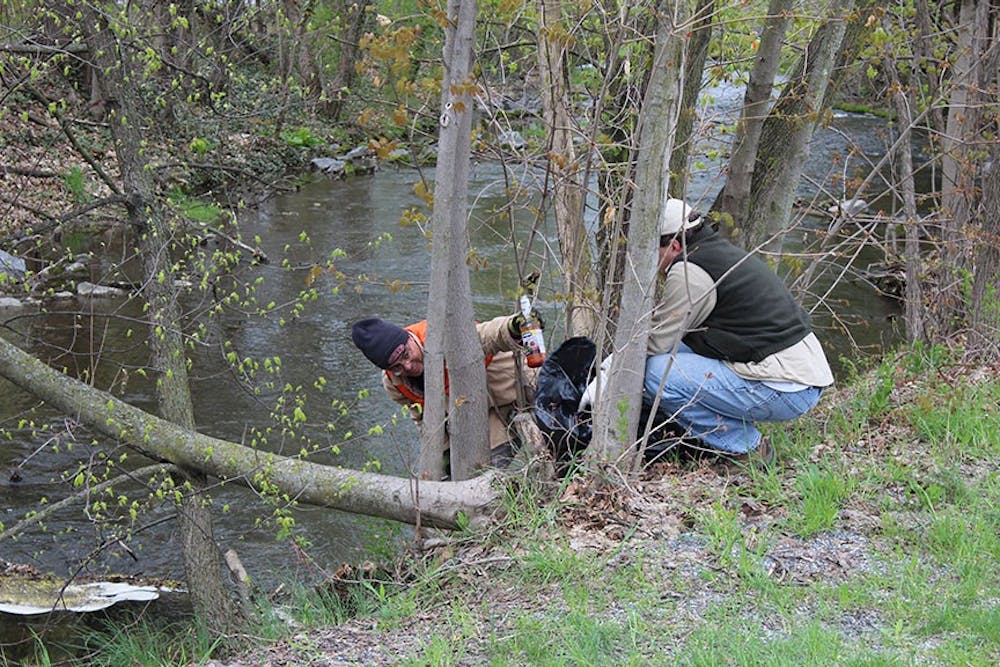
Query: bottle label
[532, 340]
[531, 335]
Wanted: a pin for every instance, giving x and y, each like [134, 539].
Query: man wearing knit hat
[399, 351]
[729, 345]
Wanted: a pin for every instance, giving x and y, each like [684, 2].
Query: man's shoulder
[688, 272]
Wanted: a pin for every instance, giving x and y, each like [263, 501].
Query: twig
[257, 253]
[52, 221]
[41, 49]
[30, 209]
[41, 514]
[209, 166]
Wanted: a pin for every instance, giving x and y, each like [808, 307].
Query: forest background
[161, 122]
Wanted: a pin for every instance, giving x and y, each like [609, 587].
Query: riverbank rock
[12, 266]
[357, 161]
[328, 165]
[92, 290]
[512, 139]
[35, 604]
[25, 591]
[27, 598]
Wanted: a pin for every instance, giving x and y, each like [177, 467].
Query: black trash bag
[561, 382]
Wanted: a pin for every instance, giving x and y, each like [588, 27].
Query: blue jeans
[716, 405]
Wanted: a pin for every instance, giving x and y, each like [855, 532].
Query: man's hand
[515, 323]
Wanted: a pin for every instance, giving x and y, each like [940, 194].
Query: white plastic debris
[81, 598]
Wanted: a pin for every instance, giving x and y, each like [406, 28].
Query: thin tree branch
[83, 152]
[42, 49]
[39, 516]
[25, 171]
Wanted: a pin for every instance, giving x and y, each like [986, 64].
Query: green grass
[724, 645]
[927, 604]
[141, 642]
[194, 208]
[823, 493]
[577, 630]
[300, 137]
[962, 422]
[75, 181]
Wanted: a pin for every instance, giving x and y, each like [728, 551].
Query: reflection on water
[360, 218]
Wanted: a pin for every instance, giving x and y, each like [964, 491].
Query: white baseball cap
[677, 215]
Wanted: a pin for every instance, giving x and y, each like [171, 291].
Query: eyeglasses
[399, 359]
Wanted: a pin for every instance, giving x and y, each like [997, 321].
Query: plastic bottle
[531, 335]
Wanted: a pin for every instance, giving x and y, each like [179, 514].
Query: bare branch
[25, 171]
[42, 49]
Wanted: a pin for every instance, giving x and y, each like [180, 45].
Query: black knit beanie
[378, 339]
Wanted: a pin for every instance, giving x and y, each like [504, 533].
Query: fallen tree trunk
[437, 504]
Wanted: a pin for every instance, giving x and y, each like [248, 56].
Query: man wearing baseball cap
[745, 352]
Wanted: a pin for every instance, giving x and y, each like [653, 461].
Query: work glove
[601, 377]
[515, 323]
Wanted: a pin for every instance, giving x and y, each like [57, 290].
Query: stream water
[360, 216]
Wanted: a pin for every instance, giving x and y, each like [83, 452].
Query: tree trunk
[984, 338]
[696, 52]
[784, 142]
[284, 32]
[734, 199]
[438, 504]
[984, 260]
[963, 162]
[451, 334]
[355, 17]
[309, 55]
[618, 102]
[928, 16]
[616, 408]
[565, 169]
[202, 563]
[913, 298]
[960, 127]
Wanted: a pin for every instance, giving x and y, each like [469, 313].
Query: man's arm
[495, 335]
[687, 298]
